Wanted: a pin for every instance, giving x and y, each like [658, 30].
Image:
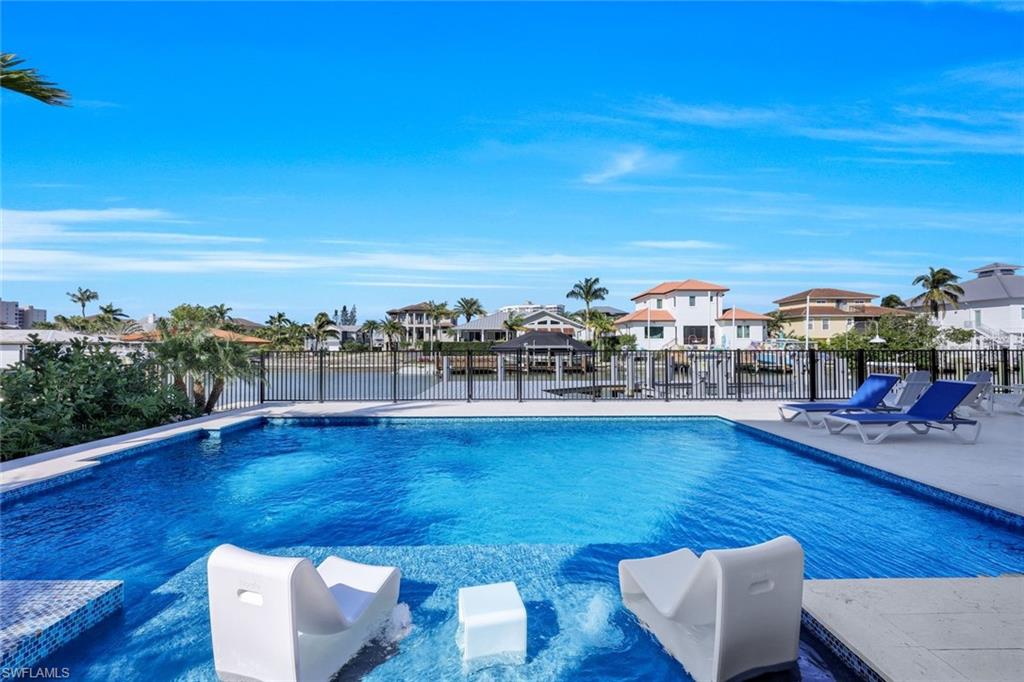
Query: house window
[654, 332]
[693, 301]
[743, 331]
[821, 301]
[810, 325]
[824, 324]
[657, 304]
[977, 317]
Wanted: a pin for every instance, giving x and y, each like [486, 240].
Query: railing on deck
[405, 375]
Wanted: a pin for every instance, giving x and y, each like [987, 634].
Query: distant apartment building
[690, 312]
[822, 313]
[12, 316]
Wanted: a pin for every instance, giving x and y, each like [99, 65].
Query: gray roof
[497, 320]
[611, 311]
[992, 288]
[541, 341]
[997, 266]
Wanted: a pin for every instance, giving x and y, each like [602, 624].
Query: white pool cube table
[492, 622]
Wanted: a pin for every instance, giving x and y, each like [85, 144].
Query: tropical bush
[901, 332]
[61, 395]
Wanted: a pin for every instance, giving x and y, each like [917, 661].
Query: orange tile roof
[741, 314]
[682, 285]
[221, 334]
[657, 315]
[824, 293]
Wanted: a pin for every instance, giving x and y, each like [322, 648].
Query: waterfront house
[992, 305]
[415, 319]
[822, 313]
[675, 314]
[491, 328]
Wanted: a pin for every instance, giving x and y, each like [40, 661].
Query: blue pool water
[550, 503]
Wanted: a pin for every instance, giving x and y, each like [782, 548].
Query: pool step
[37, 617]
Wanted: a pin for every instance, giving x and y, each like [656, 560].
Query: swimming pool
[550, 503]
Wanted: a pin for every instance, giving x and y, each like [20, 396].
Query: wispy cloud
[79, 224]
[629, 162]
[712, 115]
[685, 245]
[1005, 75]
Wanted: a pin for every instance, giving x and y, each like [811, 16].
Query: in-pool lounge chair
[933, 410]
[868, 397]
[279, 618]
[728, 614]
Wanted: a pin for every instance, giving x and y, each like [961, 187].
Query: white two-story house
[690, 313]
[992, 305]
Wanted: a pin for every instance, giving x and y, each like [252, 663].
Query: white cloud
[711, 115]
[628, 163]
[24, 226]
[685, 244]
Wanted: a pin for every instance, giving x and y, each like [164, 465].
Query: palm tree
[775, 325]
[322, 329]
[278, 320]
[588, 290]
[468, 308]
[435, 313]
[220, 313]
[112, 311]
[893, 301]
[29, 82]
[370, 328]
[514, 324]
[600, 324]
[392, 329]
[940, 290]
[82, 297]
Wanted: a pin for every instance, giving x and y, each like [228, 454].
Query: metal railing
[404, 375]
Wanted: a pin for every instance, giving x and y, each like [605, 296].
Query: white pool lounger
[730, 614]
[279, 618]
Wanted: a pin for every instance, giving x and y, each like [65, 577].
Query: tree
[112, 311]
[435, 313]
[901, 332]
[219, 313]
[775, 325]
[514, 324]
[893, 301]
[392, 329]
[370, 328]
[278, 320]
[468, 308]
[353, 316]
[29, 82]
[321, 329]
[940, 290]
[83, 297]
[588, 290]
[189, 351]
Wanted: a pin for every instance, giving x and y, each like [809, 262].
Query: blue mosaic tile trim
[341, 420]
[932, 493]
[40, 616]
[851, 660]
[245, 425]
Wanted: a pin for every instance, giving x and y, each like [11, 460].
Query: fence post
[1004, 358]
[812, 373]
[933, 364]
[738, 373]
[469, 375]
[862, 370]
[320, 377]
[519, 374]
[394, 375]
[593, 376]
[263, 378]
[668, 370]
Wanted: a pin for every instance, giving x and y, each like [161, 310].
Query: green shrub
[64, 395]
[460, 346]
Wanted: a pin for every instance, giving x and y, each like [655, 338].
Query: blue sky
[299, 157]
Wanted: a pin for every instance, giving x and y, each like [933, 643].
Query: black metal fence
[597, 375]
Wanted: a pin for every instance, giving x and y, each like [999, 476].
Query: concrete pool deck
[927, 629]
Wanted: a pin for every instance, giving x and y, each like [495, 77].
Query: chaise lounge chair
[868, 397]
[278, 618]
[933, 410]
[910, 388]
[729, 614]
[981, 398]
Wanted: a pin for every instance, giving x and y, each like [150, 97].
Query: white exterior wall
[1007, 316]
[703, 313]
[726, 335]
[9, 354]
